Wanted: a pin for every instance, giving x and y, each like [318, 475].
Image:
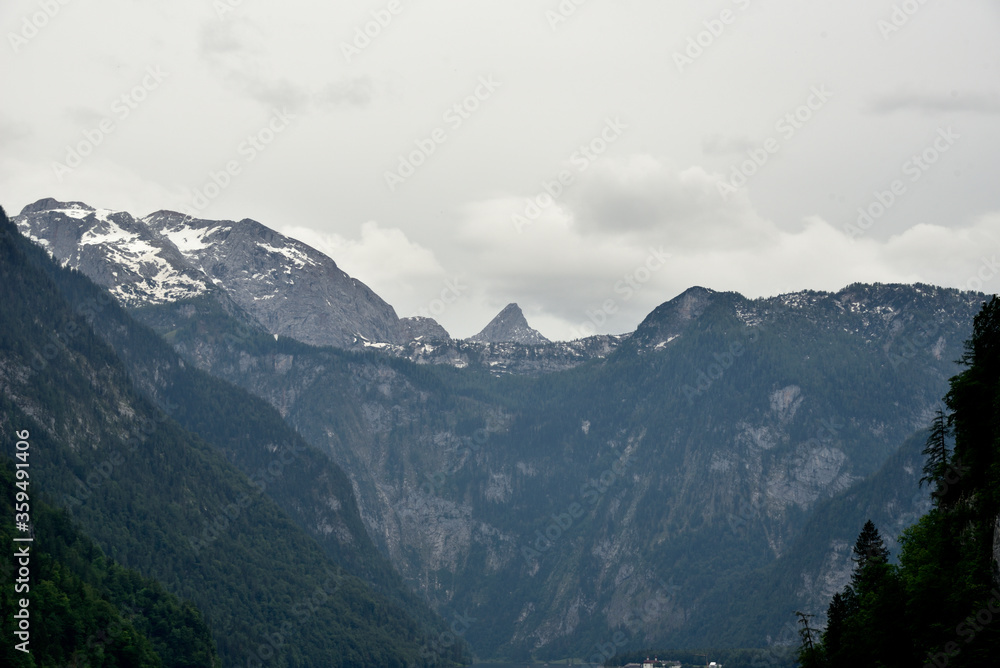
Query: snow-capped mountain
[290, 288]
[113, 249]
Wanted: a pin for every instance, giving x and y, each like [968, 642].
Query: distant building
[654, 663]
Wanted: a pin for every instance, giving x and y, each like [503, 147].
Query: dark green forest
[940, 604]
[196, 506]
[85, 609]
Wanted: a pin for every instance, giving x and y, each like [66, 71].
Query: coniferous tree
[936, 452]
[810, 652]
[933, 608]
[836, 620]
[868, 549]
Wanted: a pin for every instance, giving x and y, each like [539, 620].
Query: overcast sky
[728, 144]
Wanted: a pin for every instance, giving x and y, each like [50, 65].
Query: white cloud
[655, 186]
[568, 272]
[401, 271]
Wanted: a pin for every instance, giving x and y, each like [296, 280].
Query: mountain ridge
[748, 416]
[167, 256]
[803, 411]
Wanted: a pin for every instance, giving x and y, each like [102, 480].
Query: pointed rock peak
[509, 326]
[512, 310]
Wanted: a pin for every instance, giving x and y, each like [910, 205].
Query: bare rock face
[996, 541]
[509, 326]
[419, 328]
[291, 288]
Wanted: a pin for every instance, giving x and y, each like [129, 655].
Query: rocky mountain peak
[670, 319]
[290, 288]
[52, 204]
[420, 328]
[509, 326]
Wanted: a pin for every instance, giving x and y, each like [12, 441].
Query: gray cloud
[328, 177]
[682, 207]
[929, 103]
[719, 145]
[352, 92]
[13, 131]
[235, 51]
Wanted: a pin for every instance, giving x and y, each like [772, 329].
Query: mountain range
[191, 483]
[689, 484]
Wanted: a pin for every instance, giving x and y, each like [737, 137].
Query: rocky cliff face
[660, 469]
[419, 328]
[694, 450]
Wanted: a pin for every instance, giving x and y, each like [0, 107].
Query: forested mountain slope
[162, 500]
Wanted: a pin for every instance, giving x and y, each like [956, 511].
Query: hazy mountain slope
[556, 504]
[819, 563]
[716, 407]
[145, 488]
[252, 435]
